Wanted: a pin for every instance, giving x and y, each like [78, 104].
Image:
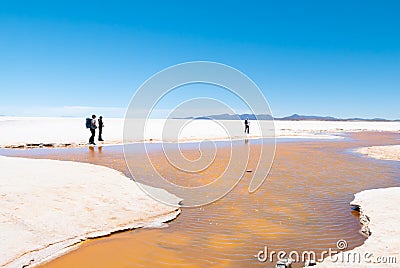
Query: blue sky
[339, 58]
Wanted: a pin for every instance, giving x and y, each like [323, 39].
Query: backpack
[88, 122]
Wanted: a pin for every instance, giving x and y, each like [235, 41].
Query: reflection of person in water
[92, 151]
[91, 148]
[246, 126]
[101, 125]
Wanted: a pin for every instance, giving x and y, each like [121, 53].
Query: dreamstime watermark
[138, 127]
[337, 255]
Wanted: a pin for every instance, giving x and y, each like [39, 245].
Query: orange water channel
[303, 206]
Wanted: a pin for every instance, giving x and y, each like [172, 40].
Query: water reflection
[92, 150]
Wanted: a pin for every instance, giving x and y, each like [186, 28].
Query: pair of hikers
[92, 125]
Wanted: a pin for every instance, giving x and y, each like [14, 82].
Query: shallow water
[303, 205]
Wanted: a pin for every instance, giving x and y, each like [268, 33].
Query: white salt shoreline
[47, 207]
[386, 152]
[22, 131]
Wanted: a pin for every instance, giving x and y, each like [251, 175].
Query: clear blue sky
[339, 58]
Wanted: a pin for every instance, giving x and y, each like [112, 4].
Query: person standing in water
[101, 125]
[93, 127]
[246, 126]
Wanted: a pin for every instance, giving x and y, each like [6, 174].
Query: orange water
[304, 205]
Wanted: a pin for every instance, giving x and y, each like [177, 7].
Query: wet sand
[303, 205]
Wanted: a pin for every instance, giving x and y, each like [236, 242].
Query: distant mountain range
[294, 117]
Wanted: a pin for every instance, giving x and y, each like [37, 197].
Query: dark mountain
[294, 117]
[297, 117]
[373, 119]
[308, 117]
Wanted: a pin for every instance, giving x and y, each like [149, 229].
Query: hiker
[246, 126]
[93, 127]
[101, 125]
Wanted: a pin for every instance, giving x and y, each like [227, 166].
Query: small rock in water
[284, 263]
[310, 263]
[21, 146]
[33, 144]
[48, 145]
